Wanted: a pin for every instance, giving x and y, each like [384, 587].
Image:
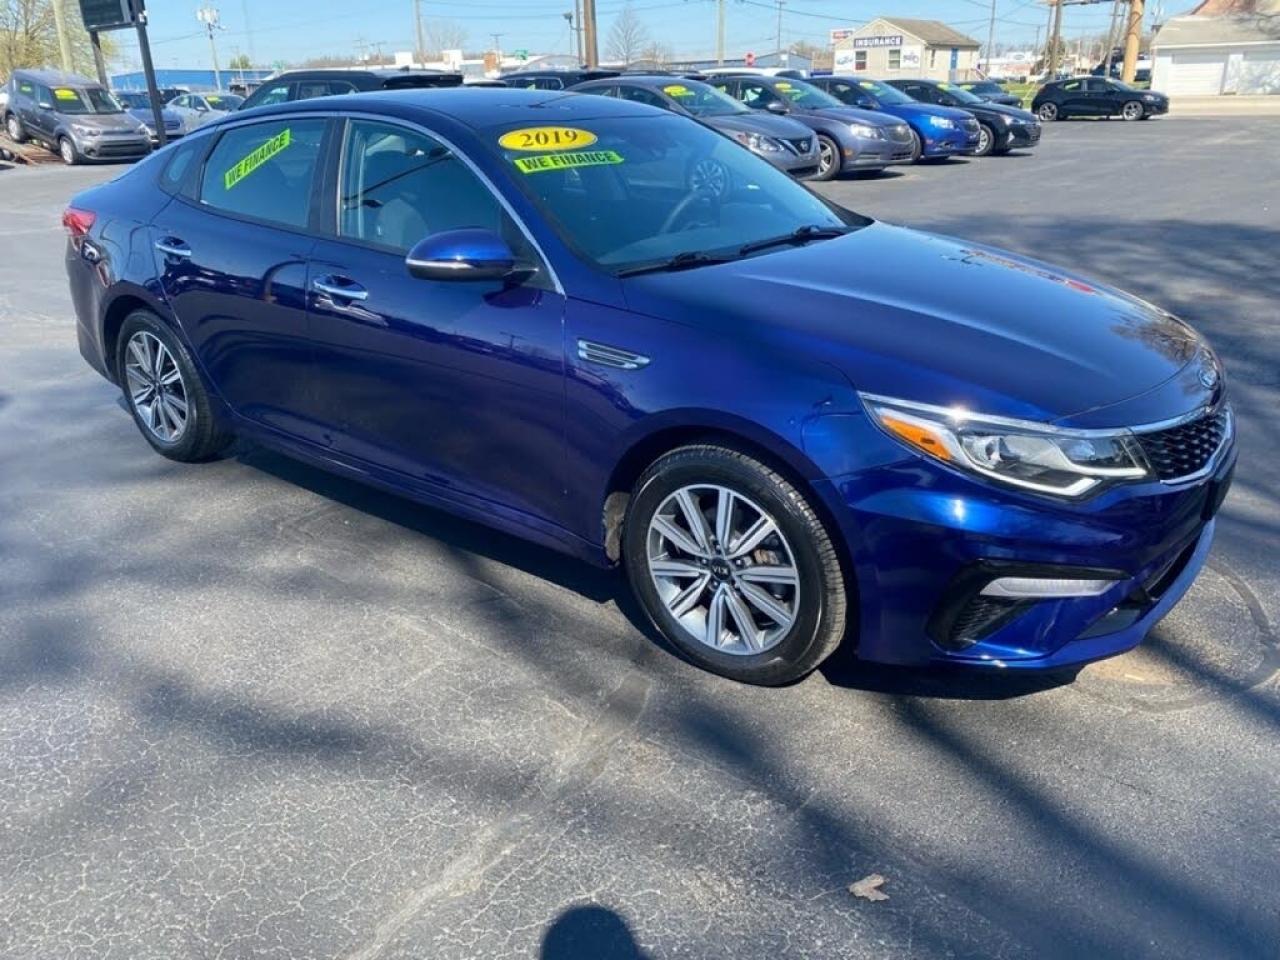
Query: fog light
[1045, 588]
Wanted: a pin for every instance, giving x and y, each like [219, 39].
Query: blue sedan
[940, 132]
[791, 425]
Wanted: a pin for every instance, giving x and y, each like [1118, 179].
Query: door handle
[340, 288]
[173, 247]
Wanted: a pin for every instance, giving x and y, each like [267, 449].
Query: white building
[892, 47]
[1224, 46]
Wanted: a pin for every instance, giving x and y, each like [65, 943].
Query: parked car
[1142, 69]
[307, 84]
[788, 144]
[1096, 97]
[785, 72]
[138, 104]
[990, 90]
[554, 79]
[73, 116]
[792, 425]
[170, 93]
[849, 140]
[197, 109]
[937, 132]
[1000, 128]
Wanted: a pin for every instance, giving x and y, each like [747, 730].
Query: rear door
[231, 255]
[1074, 98]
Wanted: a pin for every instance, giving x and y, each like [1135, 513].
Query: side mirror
[45, 104]
[776, 106]
[467, 254]
[866, 103]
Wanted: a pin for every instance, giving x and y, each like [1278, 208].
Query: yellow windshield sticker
[547, 138]
[866, 85]
[64, 94]
[783, 85]
[256, 159]
[677, 91]
[946, 86]
[214, 99]
[564, 161]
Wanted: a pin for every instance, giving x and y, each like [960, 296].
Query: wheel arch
[125, 300]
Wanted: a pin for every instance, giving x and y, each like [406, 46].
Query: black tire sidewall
[202, 436]
[782, 662]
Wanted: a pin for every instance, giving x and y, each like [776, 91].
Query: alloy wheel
[14, 128]
[1131, 110]
[1048, 112]
[826, 157]
[67, 150]
[984, 140]
[723, 569]
[709, 177]
[155, 387]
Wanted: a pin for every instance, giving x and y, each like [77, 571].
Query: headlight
[944, 122]
[1006, 120]
[1019, 453]
[864, 130]
[759, 143]
[85, 131]
[1150, 98]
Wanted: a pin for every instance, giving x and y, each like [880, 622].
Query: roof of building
[1202, 30]
[1220, 8]
[933, 32]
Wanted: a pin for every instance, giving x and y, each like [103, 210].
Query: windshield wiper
[681, 261]
[799, 235]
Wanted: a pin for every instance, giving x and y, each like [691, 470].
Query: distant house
[890, 47]
[1223, 46]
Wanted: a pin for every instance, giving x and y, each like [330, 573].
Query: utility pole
[720, 32]
[1132, 41]
[1055, 40]
[591, 51]
[421, 58]
[991, 39]
[248, 34]
[99, 62]
[64, 40]
[1111, 35]
[497, 47]
[577, 12]
[781, 4]
[209, 17]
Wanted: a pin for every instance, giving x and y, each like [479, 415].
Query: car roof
[647, 80]
[332, 73]
[57, 78]
[475, 107]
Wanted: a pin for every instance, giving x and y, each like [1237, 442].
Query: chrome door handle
[172, 247]
[330, 286]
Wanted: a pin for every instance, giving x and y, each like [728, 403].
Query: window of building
[895, 58]
[933, 59]
[859, 60]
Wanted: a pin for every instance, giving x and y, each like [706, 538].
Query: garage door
[1260, 71]
[1193, 74]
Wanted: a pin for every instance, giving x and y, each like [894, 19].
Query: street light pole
[64, 41]
[991, 39]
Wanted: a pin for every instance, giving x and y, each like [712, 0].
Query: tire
[1132, 110]
[986, 140]
[708, 176]
[829, 159]
[13, 126]
[67, 150]
[782, 604]
[917, 147]
[1049, 112]
[165, 392]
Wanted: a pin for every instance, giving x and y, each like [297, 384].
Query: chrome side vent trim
[608, 356]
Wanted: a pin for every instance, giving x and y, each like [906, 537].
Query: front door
[232, 261]
[456, 386]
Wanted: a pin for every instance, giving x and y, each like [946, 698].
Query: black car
[1096, 97]
[554, 79]
[306, 84]
[990, 90]
[1000, 128]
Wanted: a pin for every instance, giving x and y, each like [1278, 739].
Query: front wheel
[1048, 112]
[14, 128]
[67, 150]
[917, 147]
[1132, 110]
[164, 391]
[986, 140]
[733, 566]
[828, 158]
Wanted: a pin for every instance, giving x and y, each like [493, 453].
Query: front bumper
[1156, 109]
[925, 540]
[937, 142]
[113, 148]
[867, 153]
[1024, 136]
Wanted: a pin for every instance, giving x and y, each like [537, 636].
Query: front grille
[901, 133]
[981, 617]
[1185, 450]
[801, 146]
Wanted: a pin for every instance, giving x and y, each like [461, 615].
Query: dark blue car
[793, 426]
[940, 132]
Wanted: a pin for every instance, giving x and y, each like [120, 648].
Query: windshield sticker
[214, 99]
[947, 86]
[782, 85]
[257, 158]
[565, 161]
[64, 94]
[546, 138]
[866, 85]
[677, 91]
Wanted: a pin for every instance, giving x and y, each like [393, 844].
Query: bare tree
[445, 35]
[628, 37]
[29, 38]
[658, 54]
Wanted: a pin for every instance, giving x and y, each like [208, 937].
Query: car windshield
[805, 95]
[961, 95]
[703, 100]
[634, 193]
[223, 101]
[133, 100]
[985, 86]
[883, 92]
[85, 100]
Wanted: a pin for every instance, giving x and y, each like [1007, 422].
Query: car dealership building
[1223, 47]
[891, 47]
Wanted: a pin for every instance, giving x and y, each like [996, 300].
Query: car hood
[856, 115]
[911, 111]
[144, 115]
[938, 320]
[103, 121]
[1026, 116]
[770, 126]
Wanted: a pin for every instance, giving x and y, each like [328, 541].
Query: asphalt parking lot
[250, 710]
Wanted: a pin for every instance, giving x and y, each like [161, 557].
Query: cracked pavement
[251, 710]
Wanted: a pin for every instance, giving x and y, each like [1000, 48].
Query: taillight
[77, 223]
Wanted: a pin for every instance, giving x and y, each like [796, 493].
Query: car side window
[399, 186]
[26, 88]
[1071, 87]
[548, 83]
[264, 171]
[756, 95]
[277, 94]
[180, 164]
[641, 95]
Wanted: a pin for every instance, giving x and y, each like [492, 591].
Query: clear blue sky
[298, 29]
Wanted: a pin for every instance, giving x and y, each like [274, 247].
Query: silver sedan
[197, 109]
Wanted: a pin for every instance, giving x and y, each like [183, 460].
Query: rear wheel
[67, 150]
[1048, 112]
[1132, 110]
[828, 158]
[733, 566]
[164, 391]
[15, 130]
